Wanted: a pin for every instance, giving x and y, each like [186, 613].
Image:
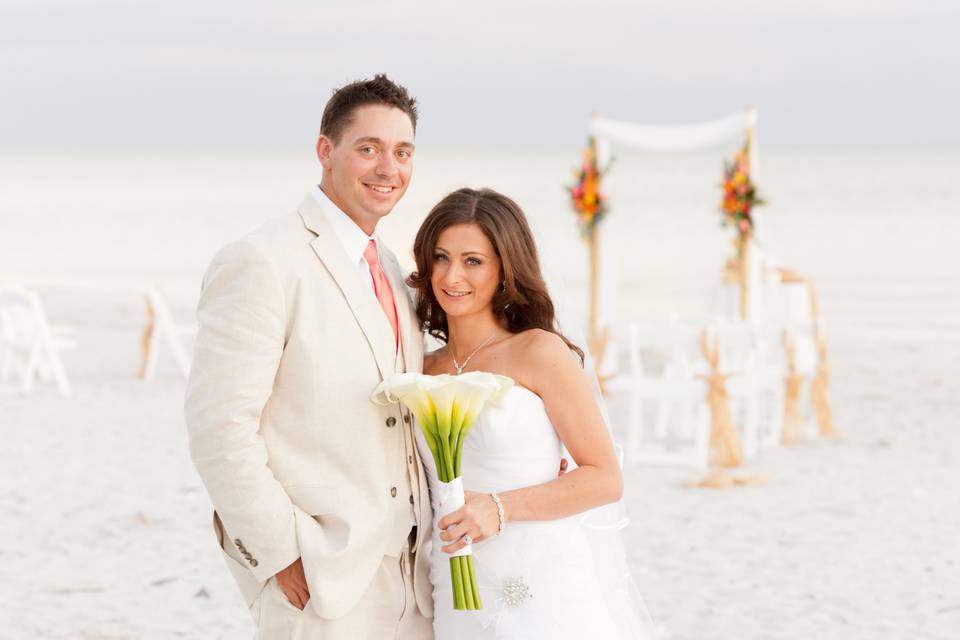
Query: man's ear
[324, 150]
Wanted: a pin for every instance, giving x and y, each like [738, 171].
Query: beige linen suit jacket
[297, 459]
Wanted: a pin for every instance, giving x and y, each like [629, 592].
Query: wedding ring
[467, 540]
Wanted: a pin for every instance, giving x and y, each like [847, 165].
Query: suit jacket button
[406, 418]
[253, 562]
[237, 542]
[391, 421]
[411, 498]
[393, 492]
[410, 459]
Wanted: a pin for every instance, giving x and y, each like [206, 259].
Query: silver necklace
[460, 367]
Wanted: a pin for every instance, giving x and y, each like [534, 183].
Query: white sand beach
[106, 528]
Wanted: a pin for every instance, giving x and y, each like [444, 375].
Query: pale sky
[521, 74]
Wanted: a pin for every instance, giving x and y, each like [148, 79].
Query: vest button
[411, 498]
[406, 418]
[393, 492]
[391, 421]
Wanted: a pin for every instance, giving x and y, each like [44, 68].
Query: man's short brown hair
[338, 113]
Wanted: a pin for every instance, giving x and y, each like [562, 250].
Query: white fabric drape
[679, 137]
[673, 137]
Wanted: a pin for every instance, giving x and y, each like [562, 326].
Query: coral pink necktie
[381, 286]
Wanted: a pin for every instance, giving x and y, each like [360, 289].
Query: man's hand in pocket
[293, 583]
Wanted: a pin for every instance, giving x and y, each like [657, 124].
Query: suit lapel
[357, 294]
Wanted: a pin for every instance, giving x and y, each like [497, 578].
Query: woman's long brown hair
[522, 302]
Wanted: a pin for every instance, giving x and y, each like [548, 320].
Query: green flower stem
[467, 588]
[432, 444]
[455, 453]
[456, 422]
[456, 581]
[442, 461]
[473, 583]
[458, 452]
[464, 579]
[446, 460]
[456, 436]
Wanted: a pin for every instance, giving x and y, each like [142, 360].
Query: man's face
[367, 171]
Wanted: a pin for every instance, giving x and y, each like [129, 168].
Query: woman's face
[466, 270]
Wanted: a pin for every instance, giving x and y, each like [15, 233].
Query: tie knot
[370, 254]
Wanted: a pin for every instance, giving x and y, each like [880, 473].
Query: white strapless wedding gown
[537, 579]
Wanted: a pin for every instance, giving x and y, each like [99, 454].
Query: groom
[322, 508]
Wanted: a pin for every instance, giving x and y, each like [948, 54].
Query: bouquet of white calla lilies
[445, 407]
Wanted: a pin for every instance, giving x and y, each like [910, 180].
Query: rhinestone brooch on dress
[515, 591]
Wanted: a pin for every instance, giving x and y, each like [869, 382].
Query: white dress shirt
[351, 236]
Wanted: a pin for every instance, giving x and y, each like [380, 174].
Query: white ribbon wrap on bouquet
[449, 498]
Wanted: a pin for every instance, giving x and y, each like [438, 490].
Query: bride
[540, 568]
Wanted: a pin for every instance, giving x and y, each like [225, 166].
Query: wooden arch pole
[743, 240]
[598, 335]
[593, 241]
[743, 257]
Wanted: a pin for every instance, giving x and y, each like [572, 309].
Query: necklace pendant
[460, 367]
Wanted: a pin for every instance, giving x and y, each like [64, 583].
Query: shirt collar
[351, 236]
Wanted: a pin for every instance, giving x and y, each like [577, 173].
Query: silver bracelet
[500, 515]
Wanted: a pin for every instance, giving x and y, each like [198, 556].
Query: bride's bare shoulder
[540, 341]
[538, 349]
[546, 364]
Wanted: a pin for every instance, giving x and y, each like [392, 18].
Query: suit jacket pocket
[314, 499]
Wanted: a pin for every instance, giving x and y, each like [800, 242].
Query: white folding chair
[164, 331]
[789, 308]
[738, 359]
[770, 373]
[663, 386]
[29, 346]
[752, 354]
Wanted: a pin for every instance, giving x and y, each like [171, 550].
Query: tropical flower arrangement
[585, 195]
[446, 407]
[739, 193]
